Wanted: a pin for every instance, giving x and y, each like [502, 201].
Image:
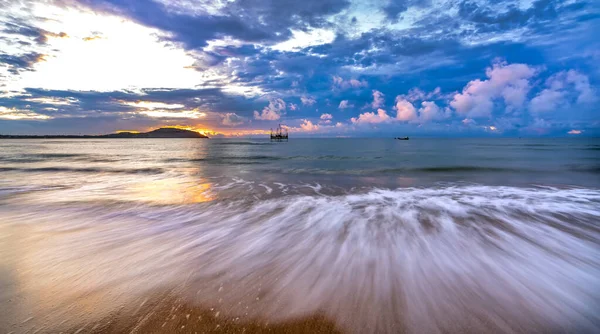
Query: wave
[83, 170]
[383, 171]
[465, 169]
[243, 159]
[22, 189]
[456, 258]
[243, 143]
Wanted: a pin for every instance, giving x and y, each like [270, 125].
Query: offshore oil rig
[280, 134]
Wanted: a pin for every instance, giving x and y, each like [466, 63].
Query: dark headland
[158, 133]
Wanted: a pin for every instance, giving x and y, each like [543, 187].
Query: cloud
[40, 36]
[416, 94]
[91, 38]
[468, 122]
[490, 128]
[430, 111]
[151, 105]
[378, 99]
[161, 113]
[20, 114]
[307, 100]
[546, 100]
[232, 119]
[326, 116]
[371, 117]
[340, 83]
[308, 126]
[271, 112]
[564, 90]
[582, 85]
[509, 83]
[393, 8]
[56, 101]
[345, 104]
[21, 63]
[575, 132]
[437, 49]
[205, 60]
[246, 20]
[405, 111]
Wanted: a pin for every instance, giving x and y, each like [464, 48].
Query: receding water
[373, 235]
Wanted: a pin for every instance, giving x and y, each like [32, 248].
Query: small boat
[401, 138]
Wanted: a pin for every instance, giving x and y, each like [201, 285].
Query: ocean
[312, 235]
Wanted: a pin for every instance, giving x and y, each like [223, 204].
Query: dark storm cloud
[20, 63]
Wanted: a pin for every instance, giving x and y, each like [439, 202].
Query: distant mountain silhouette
[158, 133]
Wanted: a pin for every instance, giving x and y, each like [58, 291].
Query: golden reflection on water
[172, 191]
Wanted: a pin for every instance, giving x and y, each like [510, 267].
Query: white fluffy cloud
[345, 104]
[232, 119]
[563, 90]
[326, 116]
[271, 112]
[430, 111]
[405, 111]
[371, 117]
[307, 100]
[340, 83]
[546, 100]
[378, 99]
[509, 83]
[308, 126]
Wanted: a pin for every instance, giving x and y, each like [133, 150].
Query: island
[158, 133]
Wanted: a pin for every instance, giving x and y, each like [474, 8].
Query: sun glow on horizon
[126, 131]
[211, 132]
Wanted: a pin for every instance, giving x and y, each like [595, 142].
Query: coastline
[158, 133]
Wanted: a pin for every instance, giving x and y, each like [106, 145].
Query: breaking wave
[83, 170]
[426, 260]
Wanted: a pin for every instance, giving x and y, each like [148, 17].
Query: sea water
[376, 235]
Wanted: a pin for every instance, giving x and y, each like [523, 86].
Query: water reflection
[172, 191]
[160, 236]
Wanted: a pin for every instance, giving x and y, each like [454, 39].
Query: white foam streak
[473, 258]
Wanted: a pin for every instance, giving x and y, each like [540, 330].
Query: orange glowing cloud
[91, 38]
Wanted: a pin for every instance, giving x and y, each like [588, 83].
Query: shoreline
[169, 313]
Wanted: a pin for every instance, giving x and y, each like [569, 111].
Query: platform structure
[280, 134]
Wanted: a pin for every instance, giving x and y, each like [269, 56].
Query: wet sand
[167, 313]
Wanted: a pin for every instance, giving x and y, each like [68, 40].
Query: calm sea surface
[374, 235]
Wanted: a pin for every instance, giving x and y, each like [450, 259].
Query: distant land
[158, 133]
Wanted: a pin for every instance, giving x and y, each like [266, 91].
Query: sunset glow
[374, 69]
[299, 166]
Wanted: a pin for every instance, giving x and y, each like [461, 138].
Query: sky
[322, 68]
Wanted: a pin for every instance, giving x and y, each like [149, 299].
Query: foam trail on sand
[455, 258]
